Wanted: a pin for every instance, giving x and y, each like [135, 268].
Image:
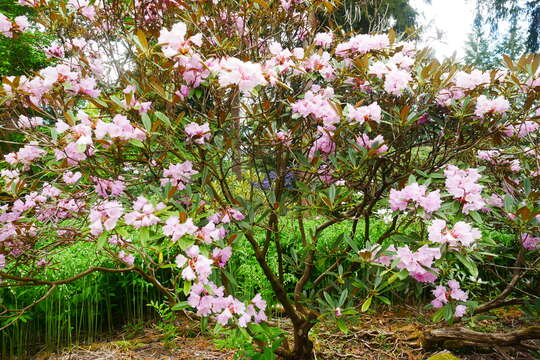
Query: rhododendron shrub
[139, 134]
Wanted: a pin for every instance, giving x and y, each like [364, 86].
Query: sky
[452, 18]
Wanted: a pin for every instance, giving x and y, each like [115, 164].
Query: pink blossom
[221, 256]
[324, 39]
[195, 265]
[530, 242]
[84, 7]
[129, 259]
[26, 155]
[499, 105]
[5, 25]
[27, 123]
[396, 81]
[71, 178]
[247, 75]
[178, 175]
[143, 213]
[418, 263]
[210, 233]
[226, 215]
[522, 129]
[377, 144]
[198, 133]
[2, 261]
[460, 311]
[121, 128]
[105, 216]
[363, 113]
[440, 297]
[324, 144]
[462, 234]
[108, 188]
[361, 44]
[400, 199]
[174, 42]
[176, 230]
[402, 61]
[317, 105]
[470, 81]
[462, 184]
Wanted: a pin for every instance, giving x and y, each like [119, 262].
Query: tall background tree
[502, 11]
[364, 16]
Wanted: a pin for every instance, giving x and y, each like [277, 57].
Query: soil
[384, 335]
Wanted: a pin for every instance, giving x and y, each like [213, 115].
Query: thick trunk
[303, 346]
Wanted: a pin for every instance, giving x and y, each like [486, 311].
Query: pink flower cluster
[143, 213]
[105, 216]
[198, 133]
[324, 39]
[210, 300]
[128, 259]
[84, 7]
[362, 44]
[462, 234]
[28, 123]
[377, 144]
[442, 296]
[108, 188]
[221, 256]
[174, 42]
[195, 265]
[209, 233]
[175, 229]
[245, 74]
[320, 63]
[70, 177]
[530, 242]
[316, 103]
[25, 155]
[484, 106]
[497, 158]
[462, 184]
[522, 129]
[400, 199]
[418, 263]
[324, 144]
[226, 215]
[364, 113]
[8, 27]
[120, 129]
[471, 80]
[178, 175]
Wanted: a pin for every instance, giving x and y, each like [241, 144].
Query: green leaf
[469, 264]
[508, 203]
[366, 304]
[476, 216]
[180, 306]
[342, 326]
[187, 287]
[147, 122]
[161, 116]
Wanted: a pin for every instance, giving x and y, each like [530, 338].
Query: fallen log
[459, 337]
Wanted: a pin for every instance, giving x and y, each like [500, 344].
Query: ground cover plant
[182, 141]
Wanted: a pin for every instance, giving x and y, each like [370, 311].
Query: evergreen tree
[477, 51]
